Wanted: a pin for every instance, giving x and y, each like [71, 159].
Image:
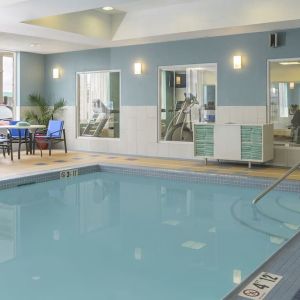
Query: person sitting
[296, 127]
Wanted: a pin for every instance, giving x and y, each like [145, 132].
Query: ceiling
[68, 25]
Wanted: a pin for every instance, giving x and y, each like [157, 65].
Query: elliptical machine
[177, 129]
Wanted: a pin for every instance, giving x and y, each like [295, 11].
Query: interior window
[284, 100]
[187, 95]
[7, 95]
[99, 104]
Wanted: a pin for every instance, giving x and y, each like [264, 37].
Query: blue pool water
[112, 237]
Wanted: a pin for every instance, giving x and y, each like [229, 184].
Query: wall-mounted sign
[68, 173]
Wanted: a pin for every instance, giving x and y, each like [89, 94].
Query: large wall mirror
[284, 100]
[187, 94]
[98, 104]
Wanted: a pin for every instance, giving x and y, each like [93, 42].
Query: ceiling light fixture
[107, 8]
[288, 63]
[34, 45]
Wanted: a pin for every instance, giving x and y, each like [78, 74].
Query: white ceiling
[69, 25]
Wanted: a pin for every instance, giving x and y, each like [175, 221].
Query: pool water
[112, 237]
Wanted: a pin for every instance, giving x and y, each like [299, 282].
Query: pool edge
[184, 175]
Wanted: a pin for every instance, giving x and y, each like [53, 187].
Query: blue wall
[247, 86]
[31, 75]
[69, 64]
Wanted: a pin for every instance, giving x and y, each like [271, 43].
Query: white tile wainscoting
[241, 114]
[139, 133]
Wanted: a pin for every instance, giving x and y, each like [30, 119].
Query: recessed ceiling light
[287, 63]
[34, 45]
[107, 8]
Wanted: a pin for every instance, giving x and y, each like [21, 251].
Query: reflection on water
[8, 232]
[107, 236]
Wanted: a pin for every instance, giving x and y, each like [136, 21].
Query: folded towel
[21, 124]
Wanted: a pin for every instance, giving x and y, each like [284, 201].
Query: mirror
[99, 104]
[284, 100]
[187, 95]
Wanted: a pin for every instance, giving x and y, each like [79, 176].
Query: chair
[6, 146]
[20, 136]
[55, 134]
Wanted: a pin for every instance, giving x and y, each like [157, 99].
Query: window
[99, 104]
[187, 95]
[284, 99]
[7, 87]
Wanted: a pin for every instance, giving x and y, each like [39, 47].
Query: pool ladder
[271, 187]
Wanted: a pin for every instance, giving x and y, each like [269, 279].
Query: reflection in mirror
[187, 95]
[284, 100]
[99, 104]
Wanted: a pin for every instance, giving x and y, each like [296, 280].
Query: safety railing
[273, 185]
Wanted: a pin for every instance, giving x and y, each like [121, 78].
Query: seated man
[296, 127]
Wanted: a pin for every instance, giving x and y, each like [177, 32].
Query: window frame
[269, 61]
[16, 97]
[177, 68]
[77, 106]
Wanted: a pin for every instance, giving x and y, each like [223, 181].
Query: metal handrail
[271, 187]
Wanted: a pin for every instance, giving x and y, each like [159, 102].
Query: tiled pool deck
[285, 262]
[32, 164]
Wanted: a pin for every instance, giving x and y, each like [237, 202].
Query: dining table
[30, 128]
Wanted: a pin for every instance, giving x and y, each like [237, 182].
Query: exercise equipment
[178, 129]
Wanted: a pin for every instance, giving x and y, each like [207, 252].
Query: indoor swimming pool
[110, 236]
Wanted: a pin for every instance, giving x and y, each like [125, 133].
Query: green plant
[43, 112]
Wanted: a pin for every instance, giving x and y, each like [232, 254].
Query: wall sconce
[237, 62]
[178, 80]
[137, 68]
[56, 73]
[292, 85]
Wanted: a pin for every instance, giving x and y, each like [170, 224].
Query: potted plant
[42, 113]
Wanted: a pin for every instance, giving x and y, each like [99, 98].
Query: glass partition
[187, 94]
[284, 100]
[99, 104]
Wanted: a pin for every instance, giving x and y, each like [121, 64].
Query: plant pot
[40, 142]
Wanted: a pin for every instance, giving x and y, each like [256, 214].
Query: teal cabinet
[204, 140]
[251, 143]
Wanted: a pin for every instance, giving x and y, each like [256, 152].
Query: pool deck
[29, 164]
[285, 262]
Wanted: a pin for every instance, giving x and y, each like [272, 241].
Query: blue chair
[55, 134]
[20, 136]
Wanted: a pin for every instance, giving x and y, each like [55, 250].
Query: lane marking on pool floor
[260, 286]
